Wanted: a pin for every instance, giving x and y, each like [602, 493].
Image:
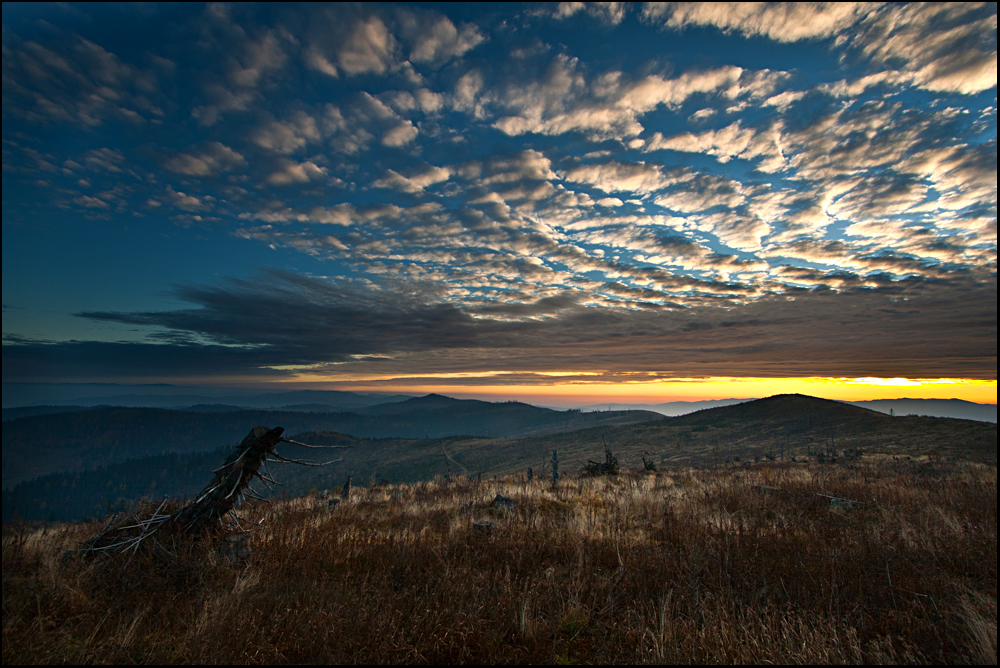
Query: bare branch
[306, 445]
[253, 494]
[304, 463]
[268, 480]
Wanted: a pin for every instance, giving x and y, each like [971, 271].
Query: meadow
[880, 560]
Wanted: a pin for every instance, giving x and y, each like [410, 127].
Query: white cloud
[223, 100]
[287, 136]
[780, 21]
[650, 92]
[369, 48]
[739, 231]
[467, 89]
[245, 61]
[732, 141]
[293, 172]
[212, 159]
[529, 192]
[259, 56]
[104, 159]
[634, 177]
[353, 129]
[184, 201]
[435, 39]
[562, 100]
[948, 46]
[315, 59]
[964, 176]
[341, 214]
[904, 181]
[610, 13]
[90, 202]
[849, 89]
[400, 135]
[526, 165]
[428, 101]
[701, 192]
[415, 183]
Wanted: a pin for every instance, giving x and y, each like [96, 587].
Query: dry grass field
[876, 561]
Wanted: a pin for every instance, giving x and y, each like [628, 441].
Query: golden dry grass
[711, 565]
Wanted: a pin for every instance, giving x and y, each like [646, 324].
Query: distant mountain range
[328, 401]
[24, 399]
[670, 408]
[166, 396]
[784, 426]
[83, 439]
[951, 408]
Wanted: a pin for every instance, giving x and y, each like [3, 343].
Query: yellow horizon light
[586, 390]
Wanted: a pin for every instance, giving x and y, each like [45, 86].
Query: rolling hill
[785, 425]
[87, 439]
[952, 408]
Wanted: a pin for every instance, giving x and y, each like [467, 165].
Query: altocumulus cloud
[763, 188]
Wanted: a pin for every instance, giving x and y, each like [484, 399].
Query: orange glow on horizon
[679, 389]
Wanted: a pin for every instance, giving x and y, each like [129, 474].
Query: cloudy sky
[562, 200]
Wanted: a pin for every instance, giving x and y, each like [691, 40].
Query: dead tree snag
[229, 488]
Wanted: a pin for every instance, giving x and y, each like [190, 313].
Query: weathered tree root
[229, 487]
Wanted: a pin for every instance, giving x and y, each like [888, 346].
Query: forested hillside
[784, 427]
[87, 439]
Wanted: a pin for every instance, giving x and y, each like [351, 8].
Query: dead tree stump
[229, 486]
[230, 480]
[608, 467]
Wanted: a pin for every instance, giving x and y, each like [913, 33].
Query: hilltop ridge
[780, 409]
[779, 427]
[86, 439]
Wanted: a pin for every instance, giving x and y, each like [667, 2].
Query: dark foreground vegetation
[872, 561]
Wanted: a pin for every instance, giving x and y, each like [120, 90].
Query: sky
[549, 202]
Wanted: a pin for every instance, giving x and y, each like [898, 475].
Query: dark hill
[87, 439]
[28, 411]
[784, 426]
[311, 408]
[791, 410]
[214, 408]
[430, 402]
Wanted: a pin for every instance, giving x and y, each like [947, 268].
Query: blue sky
[599, 193]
